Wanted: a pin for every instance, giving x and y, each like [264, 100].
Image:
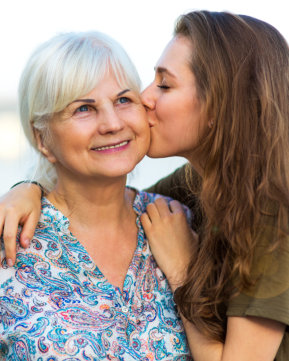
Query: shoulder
[144, 198]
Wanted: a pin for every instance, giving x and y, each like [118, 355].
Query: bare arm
[20, 206]
[248, 338]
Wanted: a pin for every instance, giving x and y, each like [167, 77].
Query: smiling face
[173, 106]
[103, 134]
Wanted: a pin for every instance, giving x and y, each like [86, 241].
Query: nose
[110, 122]
[148, 98]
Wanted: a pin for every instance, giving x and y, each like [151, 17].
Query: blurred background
[142, 27]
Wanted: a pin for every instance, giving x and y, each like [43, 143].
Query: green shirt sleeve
[174, 185]
[269, 297]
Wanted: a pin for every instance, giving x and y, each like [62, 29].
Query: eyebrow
[83, 100]
[122, 92]
[93, 100]
[161, 70]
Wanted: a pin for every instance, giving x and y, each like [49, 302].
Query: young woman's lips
[112, 148]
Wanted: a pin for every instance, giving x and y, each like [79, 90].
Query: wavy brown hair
[241, 70]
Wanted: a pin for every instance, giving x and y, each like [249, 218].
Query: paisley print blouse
[55, 304]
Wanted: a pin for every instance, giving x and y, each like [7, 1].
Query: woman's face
[172, 103]
[103, 134]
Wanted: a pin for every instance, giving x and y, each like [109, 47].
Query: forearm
[26, 185]
[202, 348]
[247, 339]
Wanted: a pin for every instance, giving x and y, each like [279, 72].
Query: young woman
[87, 288]
[220, 99]
[220, 96]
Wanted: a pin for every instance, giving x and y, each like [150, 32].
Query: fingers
[9, 237]
[10, 230]
[152, 211]
[163, 207]
[1, 222]
[28, 229]
[170, 238]
[155, 213]
[146, 222]
[160, 208]
[9, 227]
[162, 212]
[21, 205]
[176, 207]
[1, 230]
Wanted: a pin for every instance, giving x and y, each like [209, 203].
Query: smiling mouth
[112, 146]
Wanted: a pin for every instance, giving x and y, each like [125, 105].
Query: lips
[112, 146]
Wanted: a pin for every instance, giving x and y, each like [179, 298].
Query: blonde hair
[62, 69]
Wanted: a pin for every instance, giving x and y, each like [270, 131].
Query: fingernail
[26, 242]
[9, 262]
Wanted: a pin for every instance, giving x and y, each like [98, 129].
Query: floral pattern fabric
[55, 304]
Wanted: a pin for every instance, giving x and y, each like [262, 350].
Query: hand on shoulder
[172, 241]
[20, 206]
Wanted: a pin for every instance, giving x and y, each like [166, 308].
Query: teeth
[113, 146]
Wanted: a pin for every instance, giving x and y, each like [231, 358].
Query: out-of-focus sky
[142, 27]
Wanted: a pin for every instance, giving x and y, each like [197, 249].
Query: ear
[211, 123]
[42, 147]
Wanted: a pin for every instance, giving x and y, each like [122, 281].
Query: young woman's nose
[111, 122]
[147, 97]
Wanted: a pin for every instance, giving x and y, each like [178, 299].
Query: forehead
[177, 55]
[109, 85]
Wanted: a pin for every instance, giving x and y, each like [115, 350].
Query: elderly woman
[88, 287]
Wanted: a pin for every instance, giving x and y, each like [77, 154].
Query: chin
[120, 171]
[153, 155]
[158, 153]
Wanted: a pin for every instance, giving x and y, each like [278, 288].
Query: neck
[92, 202]
[195, 162]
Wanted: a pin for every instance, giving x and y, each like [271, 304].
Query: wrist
[30, 182]
[177, 280]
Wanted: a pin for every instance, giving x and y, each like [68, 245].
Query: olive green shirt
[269, 298]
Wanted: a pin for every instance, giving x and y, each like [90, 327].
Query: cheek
[170, 108]
[163, 108]
[141, 129]
[147, 139]
[145, 135]
[62, 144]
[139, 122]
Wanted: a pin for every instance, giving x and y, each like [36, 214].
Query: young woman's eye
[162, 86]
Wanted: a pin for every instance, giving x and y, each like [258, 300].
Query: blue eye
[123, 100]
[82, 108]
